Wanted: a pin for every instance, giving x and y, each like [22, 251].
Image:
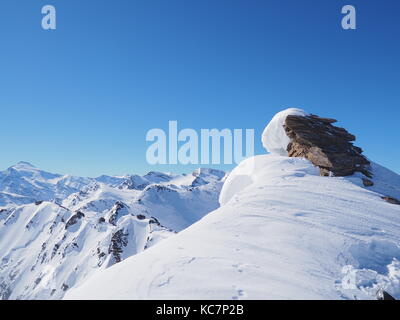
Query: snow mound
[274, 138]
[256, 169]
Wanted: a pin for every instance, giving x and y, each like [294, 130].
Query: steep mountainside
[57, 230]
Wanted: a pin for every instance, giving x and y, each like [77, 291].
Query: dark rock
[64, 287]
[383, 295]
[117, 211]
[141, 217]
[102, 220]
[325, 145]
[55, 249]
[38, 203]
[74, 219]
[391, 200]
[5, 291]
[367, 182]
[119, 240]
[154, 220]
[101, 255]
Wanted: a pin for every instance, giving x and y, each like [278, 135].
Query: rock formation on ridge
[325, 145]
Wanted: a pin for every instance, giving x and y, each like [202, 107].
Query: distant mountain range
[56, 230]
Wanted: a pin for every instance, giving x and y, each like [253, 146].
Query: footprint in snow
[239, 267]
[239, 294]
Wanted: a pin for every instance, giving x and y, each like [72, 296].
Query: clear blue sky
[80, 99]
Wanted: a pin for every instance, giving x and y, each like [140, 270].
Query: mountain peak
[24, 165]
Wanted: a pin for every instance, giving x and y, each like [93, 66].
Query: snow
[23, 183]
[271, 229]
[282, 232]
[274, 138]
[47, 247]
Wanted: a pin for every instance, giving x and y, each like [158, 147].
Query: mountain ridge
[57, 230]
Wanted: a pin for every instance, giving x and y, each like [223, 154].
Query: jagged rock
[64, 287]
[198, 181]
[119, 209]
[383, 295]
[74, 219]
[102, 220]
[5, 291]
[154, 220]
[367, 182]
[325, 145]
[119, 240]
[38, 203]
[391, 200]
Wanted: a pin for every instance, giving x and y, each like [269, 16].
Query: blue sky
[80, 99]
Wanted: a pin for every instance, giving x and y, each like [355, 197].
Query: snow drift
[274, 138]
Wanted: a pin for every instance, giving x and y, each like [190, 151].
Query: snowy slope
[47, 247]
[283, 232]
[23, 183]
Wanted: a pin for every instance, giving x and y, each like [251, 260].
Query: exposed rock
[383, 295]
[154, 220]
[5, 291]
[325, 145]
[101, 255]
[134, 183]
[119, 209]
[74, 219]
[391, 200]
[367, 182]
[38, 203]
[198, 181]
[119, 240]
[102, 220]
[64, 287]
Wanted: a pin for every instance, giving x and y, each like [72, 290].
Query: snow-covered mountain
[24, 183]
[58, 230]
[283, 231]
[314, 219]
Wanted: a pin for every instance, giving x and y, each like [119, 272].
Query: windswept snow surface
[274, 138]
[282, 232]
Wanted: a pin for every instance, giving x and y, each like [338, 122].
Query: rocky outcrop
[391, 200]
[383, 295]
[119, 240]
[367, 182]
[325, 145]
[117, 211]
[74, 219]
